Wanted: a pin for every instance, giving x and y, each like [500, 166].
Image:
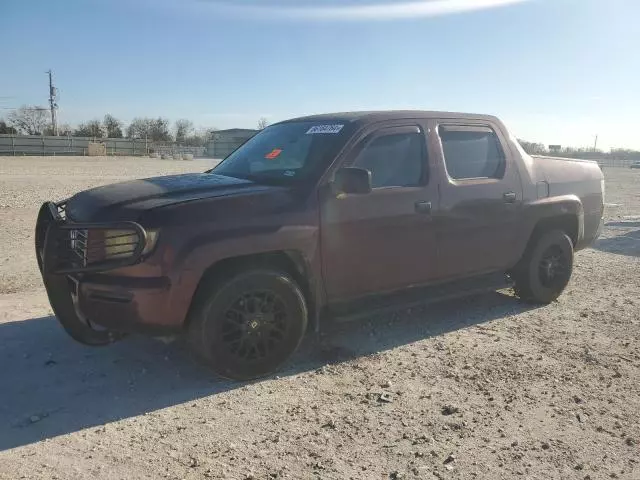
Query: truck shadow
[52, 386]
[627, 243]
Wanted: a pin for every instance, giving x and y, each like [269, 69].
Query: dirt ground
[484, 388]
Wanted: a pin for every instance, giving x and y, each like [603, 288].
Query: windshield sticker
[273, 154]
[332, 129]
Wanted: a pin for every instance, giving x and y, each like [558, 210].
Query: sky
[555, 71]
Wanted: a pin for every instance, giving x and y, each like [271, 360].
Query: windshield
[286, 152]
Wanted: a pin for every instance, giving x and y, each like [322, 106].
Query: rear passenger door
[480, 199]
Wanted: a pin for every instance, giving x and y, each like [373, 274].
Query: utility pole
[53, 93]
[595, 144]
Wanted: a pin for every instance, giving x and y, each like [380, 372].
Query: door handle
[423, 207]
[509, 197]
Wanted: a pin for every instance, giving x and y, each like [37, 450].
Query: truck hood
[126, 200]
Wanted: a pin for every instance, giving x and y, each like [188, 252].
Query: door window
[394, 160]
[472, 152]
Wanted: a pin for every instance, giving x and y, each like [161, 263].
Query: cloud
[376, 11]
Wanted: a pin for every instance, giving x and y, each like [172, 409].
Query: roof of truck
[381, 115]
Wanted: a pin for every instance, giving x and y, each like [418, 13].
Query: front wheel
[248, 326]
[545, 270]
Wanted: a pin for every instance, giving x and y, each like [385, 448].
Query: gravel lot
[480, 388]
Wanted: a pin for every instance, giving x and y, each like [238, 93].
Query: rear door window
[471, 152]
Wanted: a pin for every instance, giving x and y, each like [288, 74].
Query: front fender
[195, 257]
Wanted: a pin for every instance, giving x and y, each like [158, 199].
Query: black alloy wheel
[545, 269]
[255, 325]
[553, 268]
[247, 326]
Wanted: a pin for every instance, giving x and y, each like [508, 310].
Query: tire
[248, 326]
[545, 270]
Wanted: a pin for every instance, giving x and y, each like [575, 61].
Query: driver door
[384, 240]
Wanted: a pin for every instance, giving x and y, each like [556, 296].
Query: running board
[417, 296]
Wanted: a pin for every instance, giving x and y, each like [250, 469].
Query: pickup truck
[315, 218]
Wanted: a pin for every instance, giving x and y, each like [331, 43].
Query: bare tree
[65, 130]
[138, 128]
[29, 119]
[160, 130]
[154, 129]
[183, 130]
[199, 138]
[6, 129]
[263, 123]
[113, 126]
[533, 148]
[92, 128]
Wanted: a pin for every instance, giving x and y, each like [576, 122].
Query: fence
[602, 161]
[45, 145]
[175, 149]
[615, 162]
[226, 141]
[220, 149]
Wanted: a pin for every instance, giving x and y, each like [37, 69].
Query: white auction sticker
[333, 129]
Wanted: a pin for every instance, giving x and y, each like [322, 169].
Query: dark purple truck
[313, 218]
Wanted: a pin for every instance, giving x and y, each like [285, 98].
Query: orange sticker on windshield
[273, 154]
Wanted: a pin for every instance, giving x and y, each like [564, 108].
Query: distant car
[635, 165]
[330, 215]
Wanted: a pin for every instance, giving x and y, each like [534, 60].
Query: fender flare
[553, 212]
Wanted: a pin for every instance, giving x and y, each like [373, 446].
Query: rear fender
[563, 212]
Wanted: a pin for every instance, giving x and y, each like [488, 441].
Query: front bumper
[126, 304]
[94, 306]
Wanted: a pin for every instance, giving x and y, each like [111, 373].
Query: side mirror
[352, 180]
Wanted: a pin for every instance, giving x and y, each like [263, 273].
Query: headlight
[152, 239]
[119, 243]
[96, 245]
[123, 243]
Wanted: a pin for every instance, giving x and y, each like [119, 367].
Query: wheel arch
[569, 223]
[292, 262]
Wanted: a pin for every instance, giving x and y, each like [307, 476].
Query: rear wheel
[545, 270]
[248, 326]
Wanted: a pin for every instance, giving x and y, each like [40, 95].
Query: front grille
[64, 247]
[78, 242]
